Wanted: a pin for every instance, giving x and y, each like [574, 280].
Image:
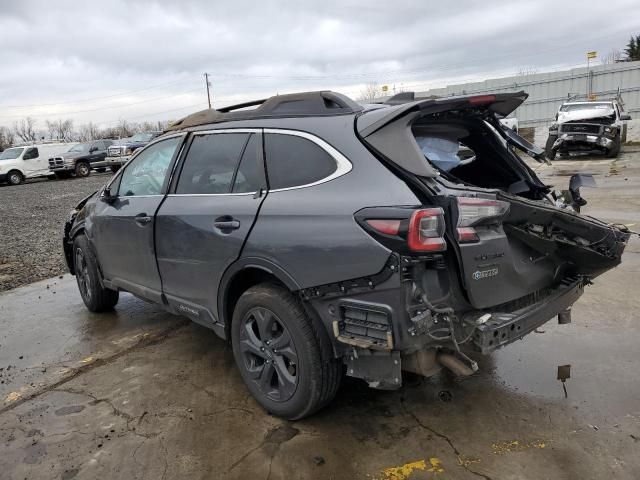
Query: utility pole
[206, 79]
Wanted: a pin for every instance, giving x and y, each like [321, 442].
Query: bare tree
[7, 138]
[124, 128]
[614, 56]
[370, 92]
[61, 130]
[161, 125]
[88, 132]
[24, 129]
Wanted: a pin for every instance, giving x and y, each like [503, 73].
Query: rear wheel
[115, 168]
[82, 169]
[96, 297]
[284, 357]
[14, 177]
[548, 149]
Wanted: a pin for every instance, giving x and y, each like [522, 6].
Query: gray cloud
[141, 59]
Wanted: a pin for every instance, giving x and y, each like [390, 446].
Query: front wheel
[82, 169]
[96, 297]
[14, 177]
[283, 355]
[615, 148]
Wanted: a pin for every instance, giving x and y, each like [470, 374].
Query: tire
[14, 177]
[62, 175]
[615, 148]
[290, 385]
[82, 169]
[94, 295]
[115, 168]
[548, 149]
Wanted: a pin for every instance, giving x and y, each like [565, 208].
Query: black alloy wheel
[269, 355]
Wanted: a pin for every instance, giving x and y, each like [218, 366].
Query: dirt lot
[138, 393]
[31, 220]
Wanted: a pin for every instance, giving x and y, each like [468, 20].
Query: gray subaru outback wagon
[323, 237]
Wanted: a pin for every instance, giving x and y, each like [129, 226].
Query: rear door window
[211, 163]
[249, 176]
[294, 161]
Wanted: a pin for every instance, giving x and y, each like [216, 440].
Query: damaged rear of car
[499, 252]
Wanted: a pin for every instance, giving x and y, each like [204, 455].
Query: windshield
[142, 137]
[572, 107]
[11, 153]
[81, 147]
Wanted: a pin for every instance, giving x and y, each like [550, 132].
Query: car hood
[72, 155]
[584, 115]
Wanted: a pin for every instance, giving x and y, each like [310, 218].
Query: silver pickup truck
[587, 127]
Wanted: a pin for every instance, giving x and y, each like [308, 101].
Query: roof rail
[305, 104]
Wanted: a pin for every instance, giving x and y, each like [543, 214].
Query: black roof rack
[306, 104]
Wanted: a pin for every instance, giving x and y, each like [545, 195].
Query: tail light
[476, 211]
[426, 231]
[406, 229]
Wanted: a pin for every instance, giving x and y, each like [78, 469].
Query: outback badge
[480, 274]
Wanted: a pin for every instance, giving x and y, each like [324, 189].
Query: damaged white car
[587, 127]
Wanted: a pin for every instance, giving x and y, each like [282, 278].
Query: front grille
[580, 128]
[56, 162]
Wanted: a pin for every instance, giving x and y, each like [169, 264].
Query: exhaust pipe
[429, 362]
[461, 365]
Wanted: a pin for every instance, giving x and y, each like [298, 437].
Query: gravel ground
[32, 217]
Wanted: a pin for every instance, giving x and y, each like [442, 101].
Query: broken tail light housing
[426, 231]
[477, 211]
[404, 229]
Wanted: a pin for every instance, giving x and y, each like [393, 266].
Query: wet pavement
[139, 393]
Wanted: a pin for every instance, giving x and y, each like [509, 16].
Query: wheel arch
[242, 275]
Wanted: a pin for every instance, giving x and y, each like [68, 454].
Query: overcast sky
[141, 60]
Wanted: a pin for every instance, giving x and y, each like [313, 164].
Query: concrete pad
[172, 405]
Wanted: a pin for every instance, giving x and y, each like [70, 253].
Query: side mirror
[107, 197]
[625, 116]
[93, 149]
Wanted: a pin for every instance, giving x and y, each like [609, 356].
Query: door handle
[226, 223]
[142, 219]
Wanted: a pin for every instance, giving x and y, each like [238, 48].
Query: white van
[29, 161]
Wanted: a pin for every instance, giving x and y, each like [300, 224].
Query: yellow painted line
[405, 471]
[87, 360]
[501, 448]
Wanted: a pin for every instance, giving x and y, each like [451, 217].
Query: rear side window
[211, 163]
[248, 178]
[294, 161]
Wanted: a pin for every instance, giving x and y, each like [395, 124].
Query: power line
[103, 108]
[122, 94]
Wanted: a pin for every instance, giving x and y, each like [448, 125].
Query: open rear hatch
[511, 238]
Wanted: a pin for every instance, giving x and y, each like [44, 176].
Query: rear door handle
[226, 223]
[142, 219]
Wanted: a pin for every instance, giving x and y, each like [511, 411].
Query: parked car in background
[79, 159]
[29, 161]
[320, 237]
[587, 127]
[120, 152]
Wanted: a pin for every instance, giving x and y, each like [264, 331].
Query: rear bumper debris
[504, 328]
